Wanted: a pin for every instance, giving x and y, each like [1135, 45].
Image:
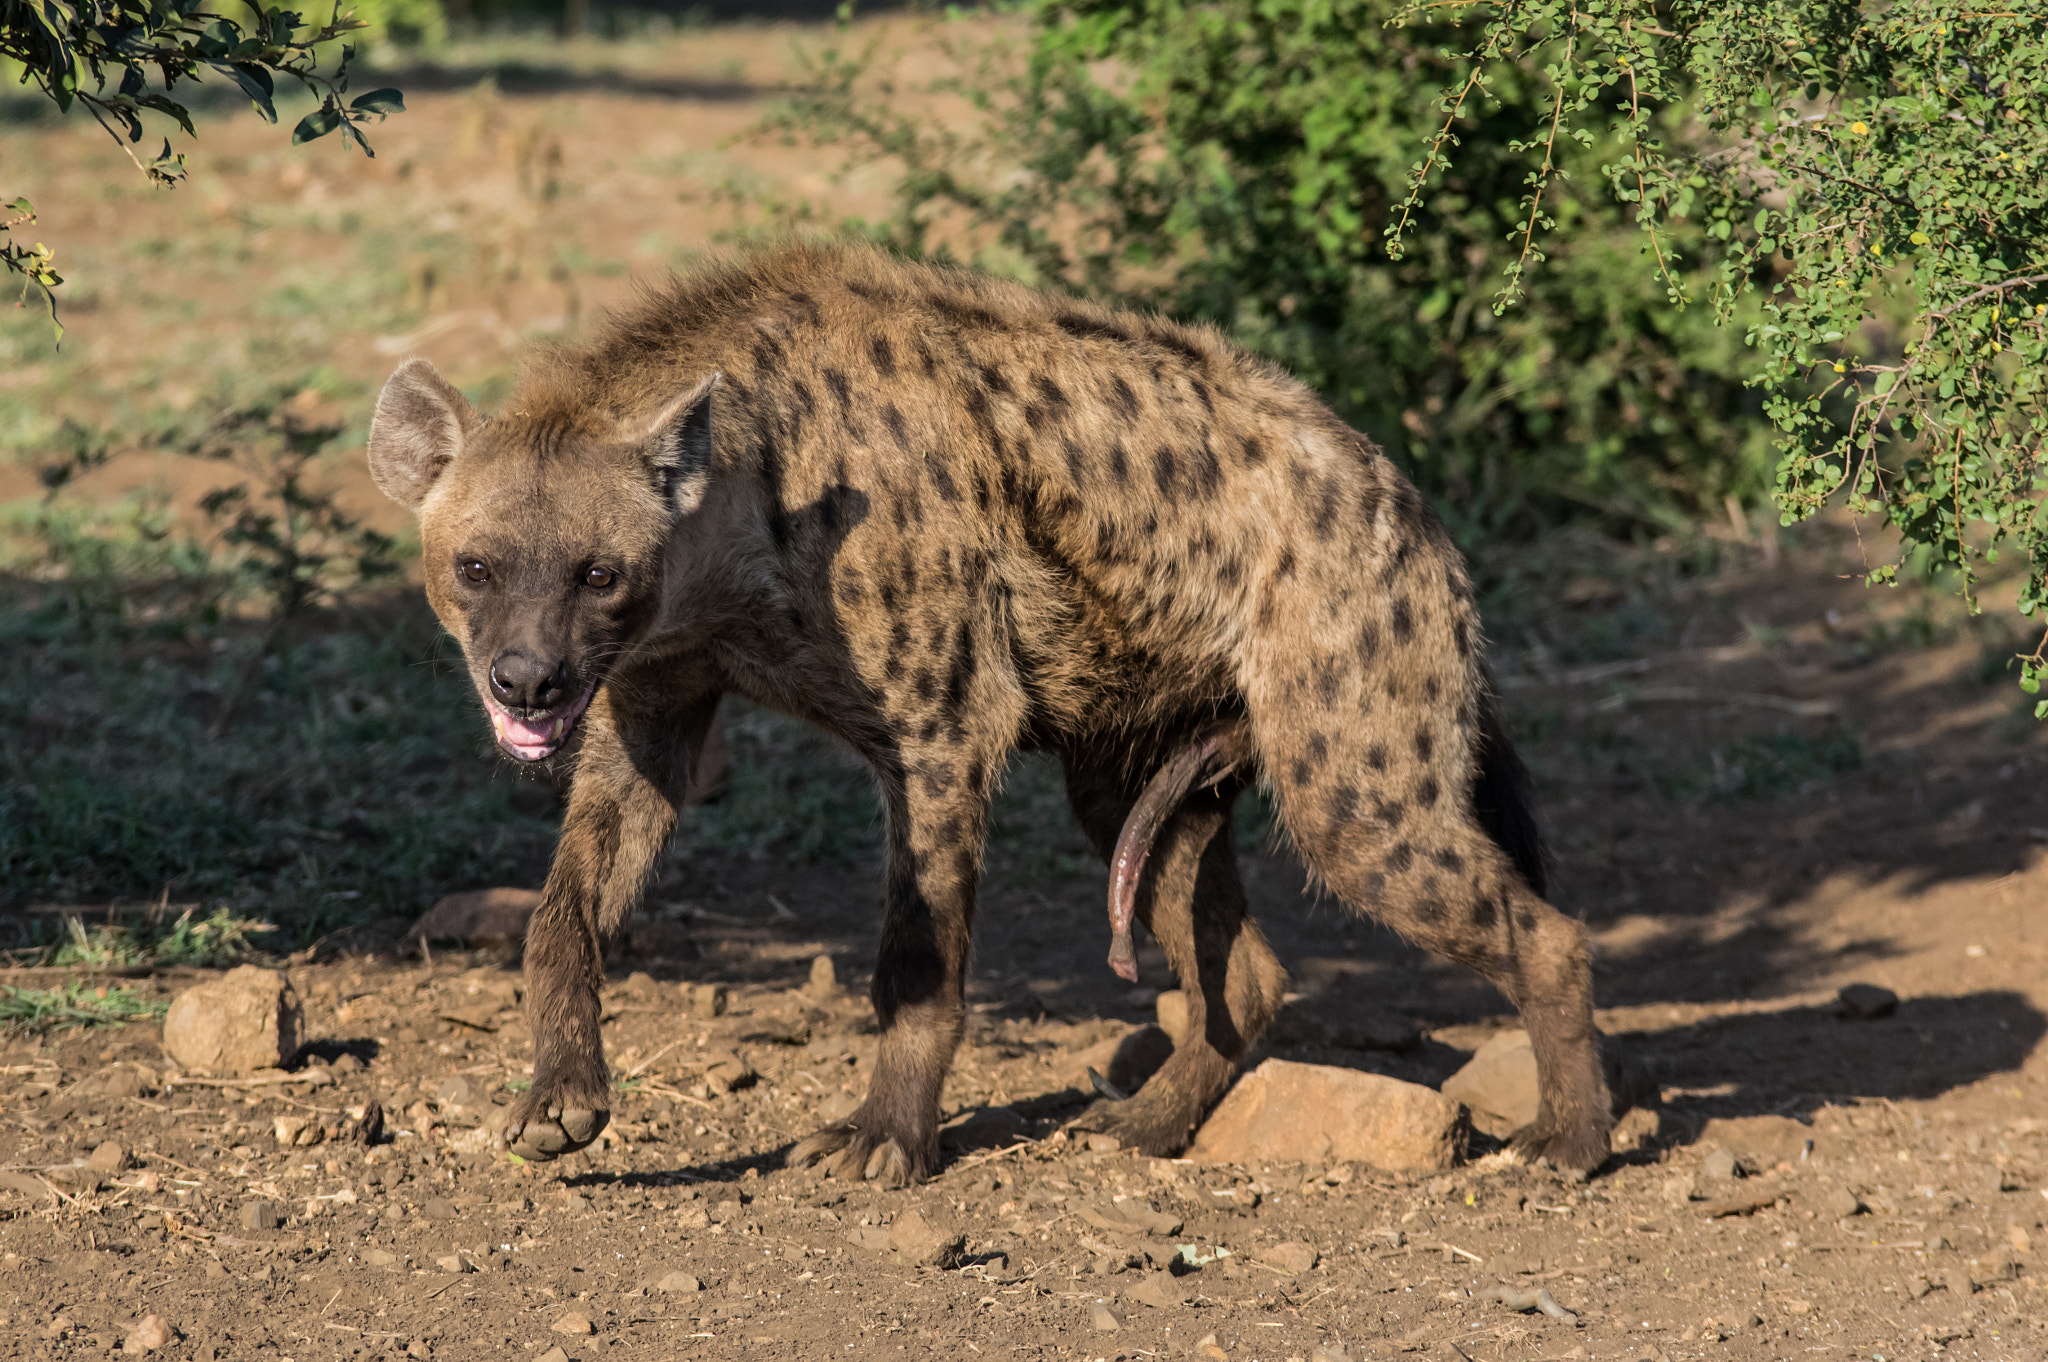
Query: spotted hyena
[944, 517]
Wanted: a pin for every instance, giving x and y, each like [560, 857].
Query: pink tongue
[523, 734]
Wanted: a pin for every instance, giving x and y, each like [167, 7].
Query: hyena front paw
[549, 1120]
[862, 1146]
[1577, 1148]
[1158, 1126]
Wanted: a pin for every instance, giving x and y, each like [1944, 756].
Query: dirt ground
[1901, 1215]
[1759, 788]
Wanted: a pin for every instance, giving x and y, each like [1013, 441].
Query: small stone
[707, 1001]
[438, 1208]
[1865, 1002]
[260, 1215]
[554, 1354]
[1160, 1290]
[151, 1333]
[926, 1244]
[1761, 1141]
[247, 1019]
[1104, 1144]
[377, 1257]
[575, 1324]
[107, 1157]
[419, 1348]
[1720, 1165]
[824, 982]
[1917, 1287]
[728, 1071]
[1329, 1352]
[1292, 1256]
[1318, 1114]
[677, 1284]
[1208, 1348]
[454, 1262]
[1839, 1203]
[60, 1326]
[458, 1092]
[1104, 1320]
[293, 1131]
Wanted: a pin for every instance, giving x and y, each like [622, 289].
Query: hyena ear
[676, 442]
[419, 428]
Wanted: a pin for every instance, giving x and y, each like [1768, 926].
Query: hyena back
[944, 517]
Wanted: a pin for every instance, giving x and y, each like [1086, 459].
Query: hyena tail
[1504, 801]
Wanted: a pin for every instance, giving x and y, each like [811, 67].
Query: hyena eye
[473, 569]
[598, 578]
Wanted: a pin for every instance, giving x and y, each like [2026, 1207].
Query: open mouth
[538, 738]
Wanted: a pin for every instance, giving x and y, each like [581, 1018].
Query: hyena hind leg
[1193, 902]
[1401, 840]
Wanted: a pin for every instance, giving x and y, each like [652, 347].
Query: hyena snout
[521, 679]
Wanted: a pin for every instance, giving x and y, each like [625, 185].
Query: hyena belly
[944, 517]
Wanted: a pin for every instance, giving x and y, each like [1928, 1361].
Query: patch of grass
[26, 1010]
[1770, 767]
[795, 792]
[214, 941]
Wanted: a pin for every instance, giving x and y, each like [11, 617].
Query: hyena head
[544, 535]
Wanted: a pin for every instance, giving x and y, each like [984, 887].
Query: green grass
[1769, 767]
[24, 1010]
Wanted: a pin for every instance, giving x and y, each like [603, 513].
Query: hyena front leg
[1192, 901]
[630, 779]
[937, 808]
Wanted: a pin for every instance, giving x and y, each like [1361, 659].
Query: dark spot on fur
[884, 356]
[1254, 452]
[1403, 620]
[1344, 803]
[1089, 328]
[1169, 337]
[943, 480]
[1166, 473]
[1428, 792]
[1449, 860]
[1425, 745]
[1126, 400]
[1400, 858]
[893, 419]
[1376, 757]
[1119, 464]
[1485, 908]
[1285, 568]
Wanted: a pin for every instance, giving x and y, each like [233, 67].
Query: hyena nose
[519, 680]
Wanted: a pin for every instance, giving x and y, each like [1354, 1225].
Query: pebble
[554, 1354]
[1865, 1002]
[707, 1001]
[1207, 1347]
[248, 1019]
[1329, 1352]
[419, 1348]
[1840, 1203]
[1498, 1083]
[1160, 1290]
[1760, 1140]
[107, 1157]
[824, 982]
[1720, 1165]
[924, 1243]
[677, 1284]
[1318, 1114]
[1102, 1319]
[151, 1333]
[454, 1262]
[575, 1324]
[441, 1208]
[458, 1092]
[1292, 1256]
[260, 1215]
[1523, 1299]
[380, 1257]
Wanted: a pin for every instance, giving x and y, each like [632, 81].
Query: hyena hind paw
[1574, 1152]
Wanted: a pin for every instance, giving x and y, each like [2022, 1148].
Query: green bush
[1241, 162]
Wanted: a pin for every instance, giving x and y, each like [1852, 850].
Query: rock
[1759, 1140]
[149, 1334]
[728, 1071]
[247, 1019]
[708, 1001]
[1639, 1126]
[986, 1128]
[458, 1092]
[454, 1262]
[824, 982]
[107, 1157]
[1207, 1347]
[420, 1350]
[260, 1215]
[1130, 1216]
[1329, 1352]
[1126, 1060]
[574, 1323]
[1293, 1256]
[441, 1208]
[1104, 1320]
[1160, 1290]
[924, 1243]
[477, 917]
[676, 1284]
[1313, 1113]
[554, 1354]
[835, 1107]
[293, 1131]
[1839, 1203]
[377, 1257]
[1172, 1011]
[1499, 1084]
[1720, 1165]
[1865, 1002]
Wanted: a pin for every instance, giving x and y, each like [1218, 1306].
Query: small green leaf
[318, 123]
[385, 101]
